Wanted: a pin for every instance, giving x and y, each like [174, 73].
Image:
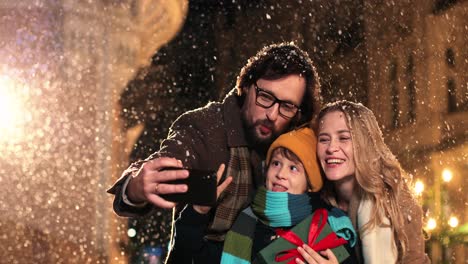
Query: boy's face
[284, 175]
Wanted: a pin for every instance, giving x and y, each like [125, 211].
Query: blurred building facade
[418, 88]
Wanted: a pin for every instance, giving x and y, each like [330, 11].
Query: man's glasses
[266, 99]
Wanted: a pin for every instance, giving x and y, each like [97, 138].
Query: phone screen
[201, 188]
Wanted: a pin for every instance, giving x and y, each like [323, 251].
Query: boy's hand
[205, 209]
[312, 257]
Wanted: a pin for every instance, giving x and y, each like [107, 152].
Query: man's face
[265, 124]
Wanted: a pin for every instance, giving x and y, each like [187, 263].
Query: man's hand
[205, 209]
[150, 182]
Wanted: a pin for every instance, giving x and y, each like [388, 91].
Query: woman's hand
[312, 257]
[205, 209]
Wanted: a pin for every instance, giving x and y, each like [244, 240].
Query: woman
[366, 180]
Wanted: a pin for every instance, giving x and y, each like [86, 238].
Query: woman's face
[335, 146]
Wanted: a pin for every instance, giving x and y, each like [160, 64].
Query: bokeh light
[131, 232]
[418, 187]
[453, 221]
[431, 224]
[13, 113]
[447, 175]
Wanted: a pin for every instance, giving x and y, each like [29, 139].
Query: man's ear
[245, 90]
[298, 116]
[296, 121]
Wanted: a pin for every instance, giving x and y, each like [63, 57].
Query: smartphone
[201, 187]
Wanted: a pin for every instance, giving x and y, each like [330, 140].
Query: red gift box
[313, 231]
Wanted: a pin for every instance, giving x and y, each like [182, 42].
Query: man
[276, 90]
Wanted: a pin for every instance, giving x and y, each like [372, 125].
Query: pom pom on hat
[303, 143]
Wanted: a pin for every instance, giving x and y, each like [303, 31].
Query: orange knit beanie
[303, 143]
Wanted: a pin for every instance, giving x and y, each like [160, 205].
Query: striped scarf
[281, 209]
[276, 209]
[236, 195]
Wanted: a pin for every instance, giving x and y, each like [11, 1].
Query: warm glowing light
[418, 187]
[12, 113]
[8, 104]
[453, 221]
[131, 232]
[431, 224]
[447, 175]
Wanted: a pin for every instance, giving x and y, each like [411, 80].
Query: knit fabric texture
[279, 209]
[285, 213]
[303, 143]
[229, 205]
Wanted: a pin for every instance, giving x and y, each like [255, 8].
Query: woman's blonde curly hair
[378, 174]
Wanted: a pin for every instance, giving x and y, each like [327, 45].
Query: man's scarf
[236, 195]
[276, 209]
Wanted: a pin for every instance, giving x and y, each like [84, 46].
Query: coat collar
[232, 115]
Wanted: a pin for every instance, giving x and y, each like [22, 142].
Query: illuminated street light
[418, 187]
[431, 224]
[453, 221]
[12, 110]
[447, 175]
[8, 103]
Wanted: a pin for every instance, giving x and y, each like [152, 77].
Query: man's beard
[261, 145]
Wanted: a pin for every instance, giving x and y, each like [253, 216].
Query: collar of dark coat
[235, 133]
[352, 213]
